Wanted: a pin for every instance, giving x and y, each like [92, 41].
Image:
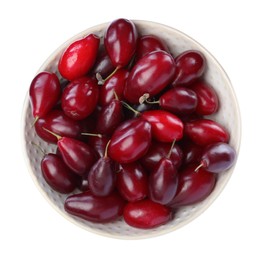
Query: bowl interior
[228, 115]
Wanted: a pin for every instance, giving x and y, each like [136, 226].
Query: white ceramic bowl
[228, 115]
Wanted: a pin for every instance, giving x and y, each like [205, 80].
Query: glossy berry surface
[58, 123]
[80, 98]
[115, 83]
[151, 74]
[132, 182]
[179, 100]
[78, 156]
[96, 209]
[120, 41]
[133, 127]
[149, 43]
[146, 214]
[57, 174]
[218, 157]
[109, 118]
[208, 102]
[159, 150]
[163, 182]
[194, 186]
[166, 127]
[190, 66]
[99, 144]
[130, 141]
[103, 64]
[44, 93]
[79, 57]
[101, 177]
[206, 131]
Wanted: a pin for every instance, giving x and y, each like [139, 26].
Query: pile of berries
[129, 123]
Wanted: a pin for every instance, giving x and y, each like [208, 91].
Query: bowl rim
[157, 232]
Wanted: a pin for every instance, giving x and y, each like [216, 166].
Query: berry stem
[144, 98]
[137, 113]
[115, 95]
[35, 120]
[43, 152]
[106, 149]
[198, 167]
[52, 133]
[101, 81]
[91, 134]
[171, 148]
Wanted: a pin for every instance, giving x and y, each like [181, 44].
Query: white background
[232, 228]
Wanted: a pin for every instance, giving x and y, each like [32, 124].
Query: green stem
[137, 113]
[38, 147]
[101, 81]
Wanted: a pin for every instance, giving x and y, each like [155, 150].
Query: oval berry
[149, 43]
[96, 209]
[179, 100]
[58, 123]
[146, 214]
[207, 98]
[218, 157]
[114, 83]
[194, 186]
[206, 131]
[150, 74]
[132, 182]
[130, 141]
[80, 98]
[101, 177]
[79, 57]
[190, 65]
[57, 174]
[44, 93]
[163, 182]
[120, 41]
[166, 127]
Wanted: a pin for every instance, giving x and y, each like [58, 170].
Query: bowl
[228, 115]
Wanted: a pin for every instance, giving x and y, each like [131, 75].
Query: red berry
[146, 214]
[58, 123]
[194, 186]
[151, 74]
[163, 182]
[206, 131]
[149, 43]
[79, 57]
[190, 65]
[44, 93]
[179, 100]
[80, 98]
[57, 174]
[132, 182]
[166, 127]
[207, 98]
[120, 41]
[96, 209]
[130, 141]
